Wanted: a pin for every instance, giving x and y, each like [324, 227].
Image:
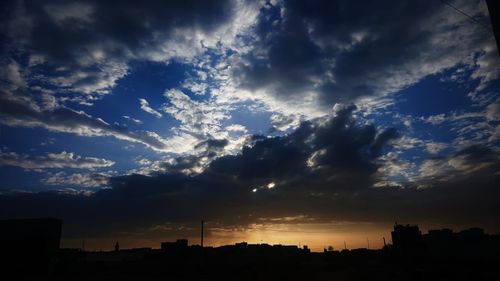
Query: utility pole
[368, 242]
[202, 225]
[345, 245]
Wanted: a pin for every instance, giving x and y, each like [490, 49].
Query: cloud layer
[326, 169]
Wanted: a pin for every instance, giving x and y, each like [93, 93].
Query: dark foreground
[29, 250]
[264, 262]
[262, 265]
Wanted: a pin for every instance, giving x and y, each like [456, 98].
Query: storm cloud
[344, 50]
[324, 170]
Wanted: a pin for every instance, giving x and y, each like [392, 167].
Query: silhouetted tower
[202, 225]
[406, 238]
[345, 246]
[117, 247]
[384, 241]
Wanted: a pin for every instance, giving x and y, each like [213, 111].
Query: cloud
[66, 13]
[435, 147]
[21, 111]
[145, 106]
[282, 122]
[493, 111]
[11, 72]
[327, 169]
[20, 108]
[202, 121]
[53, 161]
[85, 180]
[203, 118]
[196, 162]
[136, 121]
[463, 165]
[342, 51]
[453, 116]
[236, 128]
[471, 128]
[90, 50]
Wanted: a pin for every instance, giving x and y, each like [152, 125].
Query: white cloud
[465, 162]
[236, 128]
[454, 116]
[493, 111]
[283, 122]
[407, 142]
[496, 134]
[89, 79]
[86, 180]
[201, 118]
[11, 72]
[435, 147]
[53, 161]
[20, 111]
[136, 121]
[145, 106]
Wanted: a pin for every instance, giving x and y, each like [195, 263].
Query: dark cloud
[463, 166]
[204, 153]
[86, 46]
[63, 31]
[337, 186]
[347, 49]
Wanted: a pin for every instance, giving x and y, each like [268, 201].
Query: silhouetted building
[179, 245]
[29, 245]
[306, 249]
[406, 238]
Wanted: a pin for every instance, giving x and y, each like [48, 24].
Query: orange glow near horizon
[316, 236]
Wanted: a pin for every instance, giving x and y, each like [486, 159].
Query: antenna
[345, 245]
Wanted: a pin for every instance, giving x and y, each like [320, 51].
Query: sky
[293, 122]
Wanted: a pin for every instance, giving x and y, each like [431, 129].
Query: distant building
[241, 244]
[179, 245]
[29, 245]
[306, 249]
[406, 237]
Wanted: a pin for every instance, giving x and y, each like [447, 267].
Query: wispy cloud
[145, 106]
[52, 161]
[85, 180]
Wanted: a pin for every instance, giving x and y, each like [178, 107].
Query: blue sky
[180, 91]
